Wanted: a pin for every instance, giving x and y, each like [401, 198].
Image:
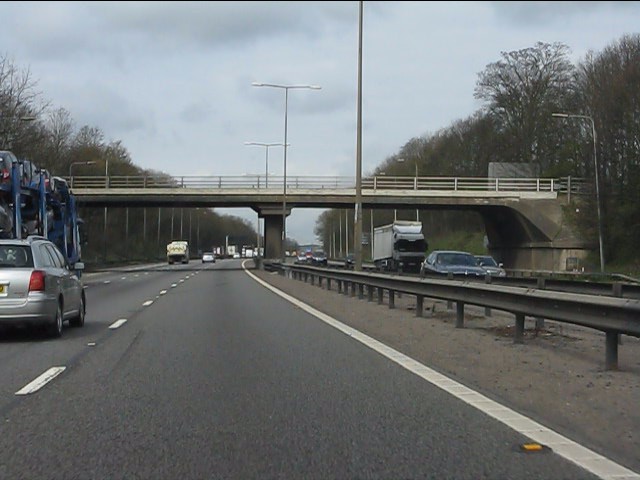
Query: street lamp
[9, 133]
[286, 89]
[357, 211]
[595, 161]
[415, 183]
[79, 163]
[266, 165]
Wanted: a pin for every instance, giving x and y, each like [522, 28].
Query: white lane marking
[174, 285]
[118, 323]
[107, 282]
[91, 344]
[41, 381]
[181, 281]
[595, 463]
[147, 303]
[123, 278]
[162, 292]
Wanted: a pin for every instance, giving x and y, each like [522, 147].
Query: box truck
[399, 246]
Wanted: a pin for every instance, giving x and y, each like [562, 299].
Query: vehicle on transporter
[46, 207]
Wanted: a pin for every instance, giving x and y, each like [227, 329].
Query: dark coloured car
[451, 261]
[319, 259]
[349, 261]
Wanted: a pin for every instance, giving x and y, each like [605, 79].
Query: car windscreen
[487, 262]
[15, 256]
[457, 259]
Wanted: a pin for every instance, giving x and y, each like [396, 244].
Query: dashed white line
[41, 381]
[174, 285]
[162, 292]
[106, 282]
[147, 303]
[118, 323]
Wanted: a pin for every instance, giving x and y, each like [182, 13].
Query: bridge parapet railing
[380, 182]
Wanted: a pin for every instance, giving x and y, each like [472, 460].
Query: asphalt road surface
[199, 372]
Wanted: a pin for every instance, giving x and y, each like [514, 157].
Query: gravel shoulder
[556, 377]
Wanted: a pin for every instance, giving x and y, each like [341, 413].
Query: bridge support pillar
[272, 232]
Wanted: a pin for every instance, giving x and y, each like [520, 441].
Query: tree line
[48, 136]
[520, 92]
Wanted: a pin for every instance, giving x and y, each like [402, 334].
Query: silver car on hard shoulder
[38, 287]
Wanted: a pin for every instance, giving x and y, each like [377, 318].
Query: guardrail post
[459, 314]
[542, 284]
[353, 289]
[518, 336]
[369, 293]
[328, 284]
[487, 310]
[360, 291]
[611, 354]
[339, 286]
[392, 299]
[419, 305]
[346, 288]
[449, 302]
[616, 290]
[380, 296]
[313, 279]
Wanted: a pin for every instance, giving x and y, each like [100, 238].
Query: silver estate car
[38, 287]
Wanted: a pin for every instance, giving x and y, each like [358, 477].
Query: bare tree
[522, 90]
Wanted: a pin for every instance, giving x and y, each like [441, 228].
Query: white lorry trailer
[178, 251]
[399, 246]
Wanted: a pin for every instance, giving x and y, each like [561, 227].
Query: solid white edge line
[589, 460]
[41, 381]
[118, 323]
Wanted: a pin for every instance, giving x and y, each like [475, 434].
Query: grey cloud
[540, 13]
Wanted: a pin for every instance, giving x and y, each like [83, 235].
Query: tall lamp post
[78, 163]
[415, 184]
[595, 161]
[286, 89]
[266, 161]
[357, 221]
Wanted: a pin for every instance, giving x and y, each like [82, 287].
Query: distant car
[349, 261]
[451, 261]
[491, 266]
[208, 257]
[319, 258]
[38, 287]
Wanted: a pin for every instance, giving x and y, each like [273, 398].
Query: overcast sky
[172, 80]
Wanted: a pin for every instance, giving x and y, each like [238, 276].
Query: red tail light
[36, 282]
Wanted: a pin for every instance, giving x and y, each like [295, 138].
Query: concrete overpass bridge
[523, 217]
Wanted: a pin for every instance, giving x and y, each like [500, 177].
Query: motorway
[198, 371]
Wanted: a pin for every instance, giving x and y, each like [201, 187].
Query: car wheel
[55, 328]
[79, 320]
